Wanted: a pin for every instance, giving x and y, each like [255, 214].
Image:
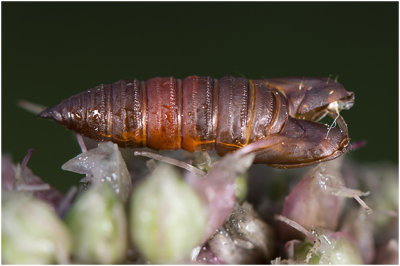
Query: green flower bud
[241, 187]
[340, 250]
[167, 218]
[98, 225]
[335, 248]
[303, 249]
[32, 233]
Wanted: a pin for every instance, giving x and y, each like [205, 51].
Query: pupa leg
[300, 143]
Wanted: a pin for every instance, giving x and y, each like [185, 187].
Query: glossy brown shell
[196, 113]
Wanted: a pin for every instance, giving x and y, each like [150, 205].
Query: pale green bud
[305, 253]
[32, 233]
[167, 218]
[241, 187]
[340, 250]
[336, 248]
[98, 225]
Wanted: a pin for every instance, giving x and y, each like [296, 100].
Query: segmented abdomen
[196, 113]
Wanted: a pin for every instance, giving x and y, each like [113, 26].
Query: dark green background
[51, 51]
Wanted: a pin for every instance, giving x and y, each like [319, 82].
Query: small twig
[63, 206]
[26, 159]
[24, 187]
[31, 107]
[172, 161]
[81, 143]
[342, 191]
[363, 204]
[389, 213]
[19, 177]
[296, 226]
[357, 145]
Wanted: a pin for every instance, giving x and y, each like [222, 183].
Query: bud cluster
[214, 212]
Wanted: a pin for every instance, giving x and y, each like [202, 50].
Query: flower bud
[167, 218]
[98, 225]
[31, 231]
[330, 248]
[241, 187]
[218, 189]
[317, 200]
[243, 239]
[103, 164]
